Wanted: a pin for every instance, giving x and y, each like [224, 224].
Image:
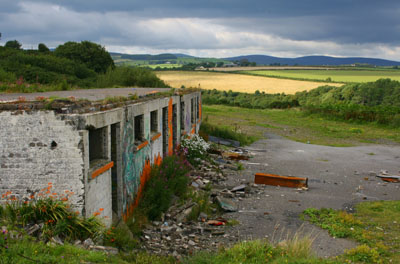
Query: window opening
[154, 121]
[139, 128]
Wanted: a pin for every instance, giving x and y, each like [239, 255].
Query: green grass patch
[374, 225]
[296, 125]
[28, 250]
[291, 251]
[226, 132]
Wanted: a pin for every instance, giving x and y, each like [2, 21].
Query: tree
[43, 48]
[91, 54]
[13, 44]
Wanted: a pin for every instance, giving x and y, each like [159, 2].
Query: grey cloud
[283, 27]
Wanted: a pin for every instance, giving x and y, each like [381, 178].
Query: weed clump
[53, 213]
[225, 132]
[166, 181]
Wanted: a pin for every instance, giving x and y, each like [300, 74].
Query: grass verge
[298, 126]
[293, 251]
[375, 225]
[226, 132]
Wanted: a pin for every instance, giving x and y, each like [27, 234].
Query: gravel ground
[339, 178]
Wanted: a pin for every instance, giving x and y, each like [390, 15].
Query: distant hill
[314, 60]
[165, 56]
[180, 58]
[181, 55]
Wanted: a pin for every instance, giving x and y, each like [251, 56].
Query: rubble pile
[177, 236]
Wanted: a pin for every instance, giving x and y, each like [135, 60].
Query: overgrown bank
[71, 65]
[366, 102]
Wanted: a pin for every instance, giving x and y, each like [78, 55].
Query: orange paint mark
[170, 128]
[102, 169]
[156, 137]
[144, 144]
[199, 108]
[193, 130]
[157, 159]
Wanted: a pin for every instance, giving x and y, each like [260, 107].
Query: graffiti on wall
[137, 161]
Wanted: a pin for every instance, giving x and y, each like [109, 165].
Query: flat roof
[89, 94]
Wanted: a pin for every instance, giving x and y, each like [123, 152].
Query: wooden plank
[277, 180]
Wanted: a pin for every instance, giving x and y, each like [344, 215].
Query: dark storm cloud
[285, 27]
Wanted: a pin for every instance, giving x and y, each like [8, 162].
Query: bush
[194, 149]
[129, 77]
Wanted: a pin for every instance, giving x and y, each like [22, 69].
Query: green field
[369, 75]
[296, 125]
[178, 62]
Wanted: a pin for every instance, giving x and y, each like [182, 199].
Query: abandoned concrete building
[98, 154]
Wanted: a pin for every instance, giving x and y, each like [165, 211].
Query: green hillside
[71, 65]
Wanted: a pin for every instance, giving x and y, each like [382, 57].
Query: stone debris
[177, 236]
[57, 240]
[239, 188]
[108, 250]
[226, 205]
[88, 242]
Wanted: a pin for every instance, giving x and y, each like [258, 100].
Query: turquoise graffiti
[134, 161]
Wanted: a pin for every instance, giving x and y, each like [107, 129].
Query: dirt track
[339, 178]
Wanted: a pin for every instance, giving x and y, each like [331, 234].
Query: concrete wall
[98, 156]
[38, 150]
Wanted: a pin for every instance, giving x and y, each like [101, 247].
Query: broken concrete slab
[277, 180]
[241, 187]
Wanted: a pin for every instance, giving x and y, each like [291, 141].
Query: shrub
[194, 148]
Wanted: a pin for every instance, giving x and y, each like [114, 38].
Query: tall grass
[168, 179]
[207, 129]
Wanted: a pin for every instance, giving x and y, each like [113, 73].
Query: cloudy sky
[217, 28]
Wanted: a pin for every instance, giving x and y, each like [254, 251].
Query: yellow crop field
[236, 82]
